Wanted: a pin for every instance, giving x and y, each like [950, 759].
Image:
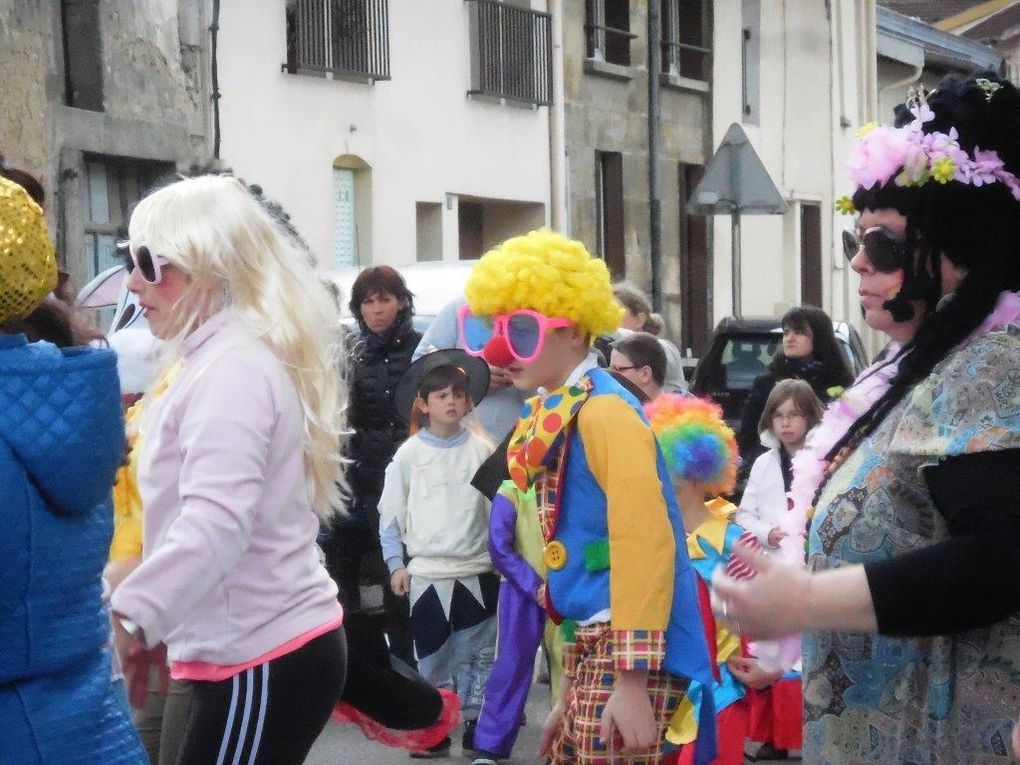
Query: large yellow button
[555, 555]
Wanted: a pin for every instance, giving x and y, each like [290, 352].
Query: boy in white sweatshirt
[429, 505]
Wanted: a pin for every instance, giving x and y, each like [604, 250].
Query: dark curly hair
[975, 227]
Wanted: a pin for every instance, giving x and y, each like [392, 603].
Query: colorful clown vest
[546, 451]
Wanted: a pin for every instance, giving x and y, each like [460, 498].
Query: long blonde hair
[239, 258]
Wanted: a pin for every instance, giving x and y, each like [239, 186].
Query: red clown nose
[497, 352]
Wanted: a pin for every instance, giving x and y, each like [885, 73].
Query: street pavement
[344, 744]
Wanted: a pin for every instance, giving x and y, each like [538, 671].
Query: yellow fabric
[127, 502]
[621, 454]
[683, 725]
[554, 647]
[127, 515]
[28, 264]
[713, 530]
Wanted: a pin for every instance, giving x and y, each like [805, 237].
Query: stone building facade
[606, 118]
[100, 99]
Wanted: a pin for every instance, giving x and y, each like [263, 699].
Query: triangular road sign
[736, 181]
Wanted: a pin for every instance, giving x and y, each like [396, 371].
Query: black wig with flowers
[976, 227]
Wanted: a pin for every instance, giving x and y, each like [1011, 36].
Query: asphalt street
[344, 744]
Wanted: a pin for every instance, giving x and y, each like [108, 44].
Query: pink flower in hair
[915, 165]
[877, 157]
[986, 167]
[922, 113]
[1012, 183]
[942, 147]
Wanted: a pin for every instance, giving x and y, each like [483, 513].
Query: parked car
[123, 322]
[740, 352]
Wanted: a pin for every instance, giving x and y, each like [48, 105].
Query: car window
[744, 359]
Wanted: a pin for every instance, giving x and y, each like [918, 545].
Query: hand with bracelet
[138, 660]
[783, 599]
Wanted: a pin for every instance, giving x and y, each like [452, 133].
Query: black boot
[467, 743]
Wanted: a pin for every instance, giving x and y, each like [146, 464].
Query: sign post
[736, 182]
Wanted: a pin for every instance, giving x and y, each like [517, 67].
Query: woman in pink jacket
[238, 465]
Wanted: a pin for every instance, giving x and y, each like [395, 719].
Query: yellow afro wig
[548, 273]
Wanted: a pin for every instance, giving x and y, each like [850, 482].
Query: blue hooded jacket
[61, 441]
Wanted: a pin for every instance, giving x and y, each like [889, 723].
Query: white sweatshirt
[443, 519]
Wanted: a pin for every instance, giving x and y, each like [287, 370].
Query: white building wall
[422, 137]
[816, 86]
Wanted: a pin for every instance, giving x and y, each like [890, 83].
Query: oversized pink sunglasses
[523, 330]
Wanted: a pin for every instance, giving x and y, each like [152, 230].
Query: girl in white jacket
[791, 411]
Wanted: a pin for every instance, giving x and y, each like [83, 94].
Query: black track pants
[270, 714]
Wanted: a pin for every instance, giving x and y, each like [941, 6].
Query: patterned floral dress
[947, 700]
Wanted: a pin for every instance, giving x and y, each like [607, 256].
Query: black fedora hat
[475, 368]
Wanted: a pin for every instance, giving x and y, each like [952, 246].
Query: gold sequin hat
[28, 264]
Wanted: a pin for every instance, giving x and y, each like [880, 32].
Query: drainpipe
[654, 197]
[214, 29]
[559, 218]
[899, 84]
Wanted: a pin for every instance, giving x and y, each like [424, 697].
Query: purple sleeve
[517, 571]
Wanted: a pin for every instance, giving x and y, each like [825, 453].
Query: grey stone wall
[604, 113]
[26, 61]
[155, 98]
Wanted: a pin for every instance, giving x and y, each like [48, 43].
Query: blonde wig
[239, 258]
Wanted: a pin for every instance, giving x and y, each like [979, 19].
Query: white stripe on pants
[241, 694]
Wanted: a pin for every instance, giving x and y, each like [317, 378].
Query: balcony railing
[512, 53]
[343, 38]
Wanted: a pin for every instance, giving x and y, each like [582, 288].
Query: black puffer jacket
[375, 364]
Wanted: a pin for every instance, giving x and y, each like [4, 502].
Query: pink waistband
[202, 670]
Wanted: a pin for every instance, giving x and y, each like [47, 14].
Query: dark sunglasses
[886, 252]
[149, 265]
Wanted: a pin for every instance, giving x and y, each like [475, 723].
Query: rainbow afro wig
[695, 440]
[548, 273]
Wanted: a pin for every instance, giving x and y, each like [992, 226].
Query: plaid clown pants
[590, 661]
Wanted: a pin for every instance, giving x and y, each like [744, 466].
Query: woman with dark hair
[912, 616]
[378, 354]
[809, 352]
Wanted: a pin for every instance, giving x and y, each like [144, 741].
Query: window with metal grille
[686, 39]
[511, 52]
[341, 38]
[608, 31]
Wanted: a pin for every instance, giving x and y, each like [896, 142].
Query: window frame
[674, 48]
[597, 33]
